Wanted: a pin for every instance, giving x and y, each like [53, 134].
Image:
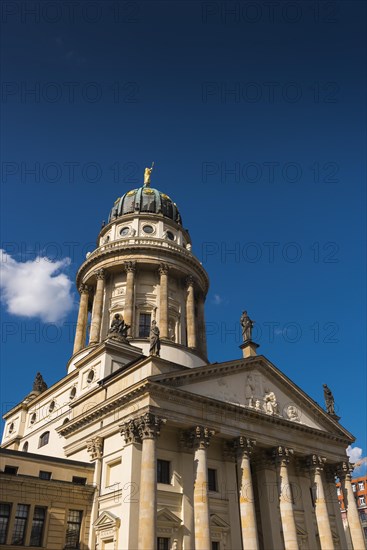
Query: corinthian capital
[163, 269]
[130, 267]
[100, 274]
[316, 462]
[95, 447]
[282, 454]
[84, 289]
[344, 471]
[197, 438]
[189, 281]
[130, 432]
[149, 425]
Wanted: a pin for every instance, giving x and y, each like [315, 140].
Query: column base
[249, 348]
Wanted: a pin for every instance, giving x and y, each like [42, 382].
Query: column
[201, 323]
[330, 473]
[148, 427]
[94, 448]
[244, 447]
[316, 464]
[190, 313]
[95, 328]
[303, 478]
[356, 533]
[81, 324]
[130, 268]
[282, 457]
[163, 302]
[267, 487]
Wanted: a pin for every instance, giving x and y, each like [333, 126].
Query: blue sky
[255, 117]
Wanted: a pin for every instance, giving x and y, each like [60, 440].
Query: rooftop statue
[147, 173]
[39, 384]
[247, 325]
[329, 400]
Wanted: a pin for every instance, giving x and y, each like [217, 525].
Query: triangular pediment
[106, 520]
[166, 516]
[257, 385]
[216, 521]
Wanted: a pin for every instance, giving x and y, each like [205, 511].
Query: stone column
[316, 464]
[190, 313]
[81, 325]
[148, 427]
[130, 268]
[282, 457]
[356, 533]
[201, 324]
[333, 501]
[95, 449]
[244, 447]
[163, 302]
[95, 328]
[199, 439]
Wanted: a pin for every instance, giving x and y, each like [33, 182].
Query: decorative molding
[95, 447]
[163, 269]
[282, 455]
[147, 426]
[316, 463]
[130, 266]
[84, 289]
[100, 274]
[196, 438]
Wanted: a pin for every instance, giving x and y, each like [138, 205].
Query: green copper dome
[145, 200]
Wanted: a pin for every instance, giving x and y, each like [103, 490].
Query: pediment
[257, 385]
[166, 516]
[216, 521]
[106, 520]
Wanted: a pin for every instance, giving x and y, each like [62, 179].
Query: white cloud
[217, 300]
[354, 453]
[36, 288]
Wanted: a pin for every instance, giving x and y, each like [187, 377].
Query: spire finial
[147, 173]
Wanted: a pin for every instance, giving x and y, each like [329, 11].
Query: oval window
[33, 418]
[25, 447]
[170, 235]
[90, 376]
[148, 229]
[11, 428]
[124, 231]
[72, 393]
[51, 407]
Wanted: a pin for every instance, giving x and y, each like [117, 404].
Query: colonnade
[146, 429]
[194, 308]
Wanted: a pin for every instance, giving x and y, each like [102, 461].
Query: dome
[145, 200]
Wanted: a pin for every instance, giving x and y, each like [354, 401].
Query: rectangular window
[74, 524]
[79, 480]
[212, 479]
[11, 470]
[163, 471]
[338, 492]
[354, 487]
[163, 543]
[44, 475]
[4, 521]
[20, 524]
[38, 524]
[362, 501]
[144, 325]
[360, 485]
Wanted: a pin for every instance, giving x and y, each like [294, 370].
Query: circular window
[148, 229]
[72, 393]
[170, 235]
[11, 428]
[124, 231]
[33, 418]
[90, 376]
[51, 407]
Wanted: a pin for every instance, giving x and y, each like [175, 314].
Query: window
[44, 475]
[79, 480]
[163, 471]
[25, 447]
[362, 501]
[215, 545]
[4, 521]
[144, 325]
[52, 406]
[11, 428]
[38, 524]
[360, 485]
[90, 376]
[163, 543]
[170, 235]
[212, 479]
[33, 418]
[148, 229]
[124, 231]
[11, 470]
[20, 524]
[74, 524]
[338, 492]
[72, 393]
[354, 487]
[43, 440]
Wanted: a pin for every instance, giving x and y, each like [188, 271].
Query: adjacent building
[144, 444]
[359, 488]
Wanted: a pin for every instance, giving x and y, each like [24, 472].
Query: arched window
[25, 447]
[43, 439]
[66, 420]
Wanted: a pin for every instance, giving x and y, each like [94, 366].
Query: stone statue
[119, 328]
[329, 400]
[292, 413]
[271, 404]
[39, 384]
[155, 343]
[147, 173]
[247, 325]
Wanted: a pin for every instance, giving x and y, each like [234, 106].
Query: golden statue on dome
[147, 173]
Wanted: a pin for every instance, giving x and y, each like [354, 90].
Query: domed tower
[143, 270]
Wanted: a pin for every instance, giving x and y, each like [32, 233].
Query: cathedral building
[144, 444]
